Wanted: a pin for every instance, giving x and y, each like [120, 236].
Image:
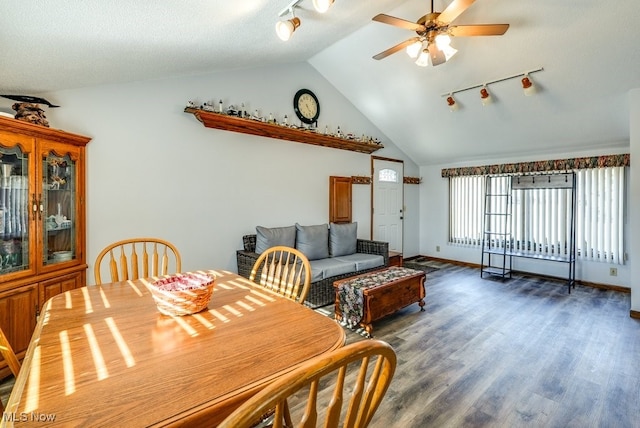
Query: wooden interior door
[340, 199]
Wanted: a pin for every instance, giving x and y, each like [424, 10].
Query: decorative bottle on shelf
[2, 218]
[220, 106]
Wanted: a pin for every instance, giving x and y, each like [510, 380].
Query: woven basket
[182, 294]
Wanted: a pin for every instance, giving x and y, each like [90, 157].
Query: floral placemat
[351, 297]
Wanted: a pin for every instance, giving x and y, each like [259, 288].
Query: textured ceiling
[62, 44]
[587, 48]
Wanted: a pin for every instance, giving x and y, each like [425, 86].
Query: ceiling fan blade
[455, 8]
[478, 30]
[396, 48]
[437, 56]
[391, 20]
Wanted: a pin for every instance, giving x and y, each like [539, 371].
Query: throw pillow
[313, 241]
[343, 239]
[271, 237]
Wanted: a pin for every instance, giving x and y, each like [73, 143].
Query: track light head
[453, 105]
[527, 86]
[321, 6]
[285, 29]
[485, 96]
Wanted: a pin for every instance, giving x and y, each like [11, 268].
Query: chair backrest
[283, 270]
[10, 357]
[138, 258]
[370, 383]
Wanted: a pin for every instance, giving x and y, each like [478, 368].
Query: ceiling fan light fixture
[414, 49]
[321, 6]
[485, 96]
[527, 86]
[285, 29]
[443, 41]
[448, 51]
[423, 58]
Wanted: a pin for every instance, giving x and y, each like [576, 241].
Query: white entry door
[388, 199]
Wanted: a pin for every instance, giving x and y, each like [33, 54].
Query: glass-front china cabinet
[42, 223]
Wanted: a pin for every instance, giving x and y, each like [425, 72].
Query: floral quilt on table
[351, 298]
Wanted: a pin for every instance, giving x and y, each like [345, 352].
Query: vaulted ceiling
[586, 47]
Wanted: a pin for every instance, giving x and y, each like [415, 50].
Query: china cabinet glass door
[58, 209]
[14, 213]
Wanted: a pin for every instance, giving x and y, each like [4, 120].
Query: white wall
[634, 199]
[154, 170]
[434, 230]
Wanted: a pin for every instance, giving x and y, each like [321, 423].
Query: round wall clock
[306, 106]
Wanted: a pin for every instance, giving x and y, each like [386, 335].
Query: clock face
[306, 106]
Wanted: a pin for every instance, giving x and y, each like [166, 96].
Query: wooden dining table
[103, 355]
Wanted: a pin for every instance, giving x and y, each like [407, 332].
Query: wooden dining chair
[9, 357]
[283, 270]
[137, 258]
[375, 362]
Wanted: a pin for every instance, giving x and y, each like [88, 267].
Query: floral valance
[541, 166]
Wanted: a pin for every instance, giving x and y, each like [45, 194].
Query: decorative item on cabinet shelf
[360, 179]
[31, 113]
[59, 172]
[412, 180]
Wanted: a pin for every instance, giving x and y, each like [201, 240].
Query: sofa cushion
[363, 261]
[343, 239]
[267, 237]
[313, 241]
[326, 268]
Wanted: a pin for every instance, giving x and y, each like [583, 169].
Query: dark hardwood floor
[519, 352]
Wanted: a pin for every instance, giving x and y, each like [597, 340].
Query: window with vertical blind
[466, 205]
[541, 217]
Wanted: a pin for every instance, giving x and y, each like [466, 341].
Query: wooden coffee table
[383, 292]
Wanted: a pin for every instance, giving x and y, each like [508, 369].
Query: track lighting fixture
[527, 85]
[485, 96]
[321, 6]
[453, 105]
[285, 28]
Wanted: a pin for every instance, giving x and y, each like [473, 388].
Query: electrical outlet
[437, 247]
[613, 271]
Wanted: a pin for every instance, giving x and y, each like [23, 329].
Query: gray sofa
[334, 253]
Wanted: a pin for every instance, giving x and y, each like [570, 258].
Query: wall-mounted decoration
[360, 179]
[541, 166]
[412, 180]
[265, 129]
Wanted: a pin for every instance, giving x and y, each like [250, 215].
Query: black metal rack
[498, 246]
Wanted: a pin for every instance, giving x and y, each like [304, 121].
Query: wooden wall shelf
[271, 130]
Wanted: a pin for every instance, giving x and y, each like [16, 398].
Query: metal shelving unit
[498, 245]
